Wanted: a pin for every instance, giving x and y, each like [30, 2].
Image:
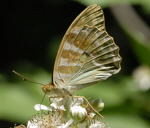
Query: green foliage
[18, 98]
[122, 102]
[125, 121]
[141, 49]
[107, 3]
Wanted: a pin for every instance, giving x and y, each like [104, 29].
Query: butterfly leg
[89, 105]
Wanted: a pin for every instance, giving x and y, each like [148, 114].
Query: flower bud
[78, 113]
[98, 104]
[39, 107]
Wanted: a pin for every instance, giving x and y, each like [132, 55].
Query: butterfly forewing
[87, 54]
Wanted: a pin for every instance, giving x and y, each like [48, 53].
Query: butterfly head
[48, 87]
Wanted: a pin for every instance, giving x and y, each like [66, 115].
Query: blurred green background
[32, 33]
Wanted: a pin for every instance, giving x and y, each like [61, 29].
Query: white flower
[78, 113]
[39, 121]
[50, 120]
[32, 125]
[67, 124]
[57, 107]
[97, 125]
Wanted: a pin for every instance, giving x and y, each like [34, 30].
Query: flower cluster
[68, 112]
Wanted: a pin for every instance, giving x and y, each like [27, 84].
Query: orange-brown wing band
[87, 53]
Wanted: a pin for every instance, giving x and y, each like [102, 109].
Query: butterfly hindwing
[87, 53]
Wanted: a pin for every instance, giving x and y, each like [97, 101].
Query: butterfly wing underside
[87, 54]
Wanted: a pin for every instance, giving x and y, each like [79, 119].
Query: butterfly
[87, 54]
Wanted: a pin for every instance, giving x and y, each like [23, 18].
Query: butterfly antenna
[25, 78]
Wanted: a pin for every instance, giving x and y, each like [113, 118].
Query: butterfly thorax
[52, 91]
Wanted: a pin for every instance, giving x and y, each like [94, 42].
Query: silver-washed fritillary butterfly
[87, 54]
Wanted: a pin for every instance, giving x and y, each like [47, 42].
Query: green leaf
[106, 3]
[108, 91]
[17, 99]
[142, 50]
[125, 121]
